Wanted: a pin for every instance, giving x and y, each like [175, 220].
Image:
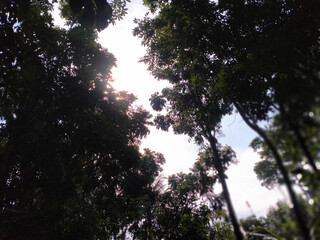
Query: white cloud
[178, 151]
[245, 187]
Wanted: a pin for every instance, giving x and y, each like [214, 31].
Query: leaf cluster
[96, 14]
[187, 209]
[69, 143]
[260, 57]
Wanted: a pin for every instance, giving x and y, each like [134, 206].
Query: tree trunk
[305, 149]
[219, 167]
[299, 137]
[296, 207]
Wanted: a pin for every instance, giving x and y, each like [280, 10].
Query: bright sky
[179, 152]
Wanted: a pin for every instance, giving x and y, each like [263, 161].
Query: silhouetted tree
[259, 57]
[69, 144]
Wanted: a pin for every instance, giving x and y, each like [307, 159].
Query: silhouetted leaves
[260, 57]
[70, 161]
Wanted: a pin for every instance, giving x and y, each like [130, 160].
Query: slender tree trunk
[300, 139]
[219, 167]
[296, 207]
[305, 149]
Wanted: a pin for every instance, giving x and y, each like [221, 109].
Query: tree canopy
[70, 163]
[260, 58]
[68, 141]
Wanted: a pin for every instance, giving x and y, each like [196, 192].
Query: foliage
[186, 209]
[292, 153]
[266, 170]
[190, 112]
[279, 223]
[233, 50]
[260, 57]
[69, 144]
[93, 13]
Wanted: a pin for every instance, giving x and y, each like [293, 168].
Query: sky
[247, 194]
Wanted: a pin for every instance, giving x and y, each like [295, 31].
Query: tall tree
[251, 55]
[190, 113]
[70, 164]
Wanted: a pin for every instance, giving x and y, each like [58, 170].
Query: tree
[190, 113]
[279, 220]
[69, 144]
[295, 160]
[249, 55]
[278, 223]
[96, 14]
[187, 209]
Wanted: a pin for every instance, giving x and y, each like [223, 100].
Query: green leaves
[93, 13]
[89, 13]
[257, 57]
[70, 157]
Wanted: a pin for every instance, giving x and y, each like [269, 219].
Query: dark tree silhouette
[259, 57]
[70, 164]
